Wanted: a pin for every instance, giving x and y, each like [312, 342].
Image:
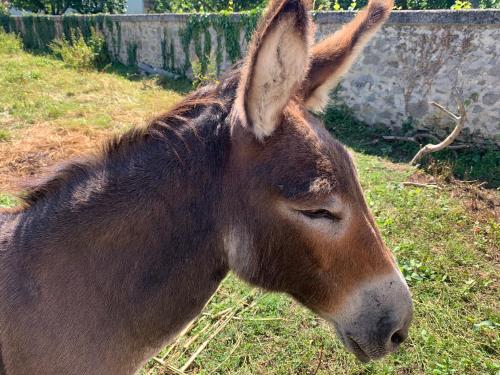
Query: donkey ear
[332, 57]
[275, 66]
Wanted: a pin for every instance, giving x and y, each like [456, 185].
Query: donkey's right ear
[275, 66]
[333, 56]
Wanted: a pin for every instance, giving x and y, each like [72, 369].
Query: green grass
[448, 254]
[38, 89]
[32, 95]
[7, 200]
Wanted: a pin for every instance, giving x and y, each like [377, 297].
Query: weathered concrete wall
[423, 56]
[418, 56]
[180, 42]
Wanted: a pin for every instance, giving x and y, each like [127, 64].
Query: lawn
[446, 240]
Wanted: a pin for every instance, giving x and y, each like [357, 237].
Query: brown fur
[112, 255]
[36, 189]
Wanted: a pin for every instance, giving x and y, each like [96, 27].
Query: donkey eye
[320, 214]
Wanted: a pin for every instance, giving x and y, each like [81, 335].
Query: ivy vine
[228, 29]
[38, 31]
[4, 22]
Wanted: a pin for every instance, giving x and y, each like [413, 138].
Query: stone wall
[418, 56]
[422, 56]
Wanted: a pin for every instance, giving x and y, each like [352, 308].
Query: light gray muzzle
[375, 319]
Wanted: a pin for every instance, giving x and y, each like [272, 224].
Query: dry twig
[171, 369]
[459, 120]
[195, 337]
[418, 184]
[219, 326]
[319, 361]
[397, 138]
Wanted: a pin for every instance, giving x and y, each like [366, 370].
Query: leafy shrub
[57, 7]
[4, 8]
[336, 5]
[461, 5]
[97, 43]
[424, 4]
[76, 53]
[489, 4]
[99, 6]
[9, 43]
[200, 6]
[81, 54]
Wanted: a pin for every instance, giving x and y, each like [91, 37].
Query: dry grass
[482, 203]
[41, 146]
[49, 113]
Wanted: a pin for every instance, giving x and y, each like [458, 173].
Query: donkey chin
[374, 319]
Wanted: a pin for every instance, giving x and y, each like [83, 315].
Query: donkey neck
[130, 241]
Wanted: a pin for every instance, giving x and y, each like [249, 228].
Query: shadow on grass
[181, 85]
[474, 163]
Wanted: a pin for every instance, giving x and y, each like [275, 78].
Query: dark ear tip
[379, 9]
[299, 8]
[296, 6]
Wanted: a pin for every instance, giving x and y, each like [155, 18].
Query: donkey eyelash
[320, 214]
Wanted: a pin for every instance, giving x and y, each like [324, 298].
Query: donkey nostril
[398, 337]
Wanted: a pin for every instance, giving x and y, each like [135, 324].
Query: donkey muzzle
[375, 319]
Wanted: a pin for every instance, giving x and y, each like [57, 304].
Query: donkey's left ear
[275, 66]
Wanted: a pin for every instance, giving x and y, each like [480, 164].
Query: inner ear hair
[275, 66]
[332, 57]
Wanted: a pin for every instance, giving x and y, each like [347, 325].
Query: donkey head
[298, 222]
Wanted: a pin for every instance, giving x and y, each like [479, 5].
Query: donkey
[112, 255]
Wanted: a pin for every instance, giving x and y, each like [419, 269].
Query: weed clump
[9, 43]
[79, 53]
[202, 77]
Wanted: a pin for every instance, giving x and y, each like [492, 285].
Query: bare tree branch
[459, 120]
[397, 138]
[428, 135]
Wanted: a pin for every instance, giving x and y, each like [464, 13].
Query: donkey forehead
[302, 159]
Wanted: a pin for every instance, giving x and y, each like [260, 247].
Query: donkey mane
[168, 126]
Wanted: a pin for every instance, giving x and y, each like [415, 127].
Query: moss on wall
[39, 31]
[13, 25]
[132, 54]
[228, 32]
[167, 52]
[28, 34]
[4, 23]
[70, 25]
[45, 30]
